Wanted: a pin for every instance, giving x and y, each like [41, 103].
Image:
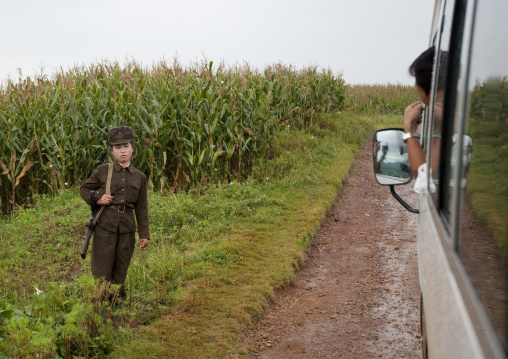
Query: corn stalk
[195, 125]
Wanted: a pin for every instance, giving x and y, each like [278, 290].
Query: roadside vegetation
[219, 245]
[375, 100]
[196, 125]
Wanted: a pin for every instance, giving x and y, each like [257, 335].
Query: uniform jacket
[129, 188]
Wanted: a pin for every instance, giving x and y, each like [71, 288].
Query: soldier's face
[122, 153]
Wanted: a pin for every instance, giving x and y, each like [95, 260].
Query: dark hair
[421, 69]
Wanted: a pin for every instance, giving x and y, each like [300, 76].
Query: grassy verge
[213, 261]
[268, 245]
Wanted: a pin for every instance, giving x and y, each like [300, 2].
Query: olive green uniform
[114, 236]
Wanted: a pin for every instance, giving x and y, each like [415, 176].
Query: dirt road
[358, 295]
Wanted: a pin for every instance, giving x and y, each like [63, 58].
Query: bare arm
[415, 151]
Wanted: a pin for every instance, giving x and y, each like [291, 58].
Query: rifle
[96, 213]
[90, 225]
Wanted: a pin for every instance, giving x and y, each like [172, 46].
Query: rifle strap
[108, 192]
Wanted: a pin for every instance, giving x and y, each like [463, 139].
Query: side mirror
[391, 163]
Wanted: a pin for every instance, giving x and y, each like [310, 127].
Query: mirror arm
[401, 201]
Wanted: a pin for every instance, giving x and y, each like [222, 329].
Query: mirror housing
[391, 163]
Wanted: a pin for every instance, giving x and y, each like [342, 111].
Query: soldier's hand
[105, 200]
[143, 242]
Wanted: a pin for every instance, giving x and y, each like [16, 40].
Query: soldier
[114, 237]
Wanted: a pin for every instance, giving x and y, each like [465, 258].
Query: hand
[412, 116]
[143, 242]
[105, 200]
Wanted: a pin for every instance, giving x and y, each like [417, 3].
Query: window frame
[447, 213]
[464, 104]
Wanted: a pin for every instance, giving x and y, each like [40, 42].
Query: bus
[463, 209]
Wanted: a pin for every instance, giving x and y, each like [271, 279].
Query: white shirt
[421, 180]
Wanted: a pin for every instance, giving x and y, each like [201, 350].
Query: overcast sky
[368, 41]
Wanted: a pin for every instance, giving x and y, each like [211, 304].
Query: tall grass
[195, 124]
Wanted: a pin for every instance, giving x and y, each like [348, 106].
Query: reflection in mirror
[391, 164]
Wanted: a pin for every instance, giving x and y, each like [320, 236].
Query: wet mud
[358, 294]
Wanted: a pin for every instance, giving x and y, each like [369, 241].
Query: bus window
[483, 227]
[440, 81]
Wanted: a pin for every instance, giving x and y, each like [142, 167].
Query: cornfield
[380, 99]
[194, 125]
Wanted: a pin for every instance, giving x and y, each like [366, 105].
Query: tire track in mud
[358, 294]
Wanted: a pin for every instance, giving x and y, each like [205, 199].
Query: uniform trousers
[111, 256]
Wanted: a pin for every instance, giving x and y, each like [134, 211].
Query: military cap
[119, 135]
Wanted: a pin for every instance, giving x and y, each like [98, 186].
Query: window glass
[483, 230]
[440, 79]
